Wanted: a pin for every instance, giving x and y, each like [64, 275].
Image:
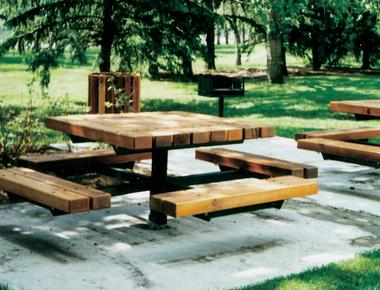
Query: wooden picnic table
[157, 132]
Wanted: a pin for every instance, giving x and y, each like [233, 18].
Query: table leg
[221, 106]
[159, 180]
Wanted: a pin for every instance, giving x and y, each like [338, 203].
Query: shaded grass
[299, 105]
[362, 272]
[4, 287]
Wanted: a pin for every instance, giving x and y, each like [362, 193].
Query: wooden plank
[120, 87]
[98, 199]
[341, 148]
[136, 93]
[216, 197]
[342, 135]
[110, 94]
[93, 94]
[128, 91]
[362, 107]
[42, 192]
[255, 163]
[102, 91]
[266, 131]
[99, 132]
[103, 156]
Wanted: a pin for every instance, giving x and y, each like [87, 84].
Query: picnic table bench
[58, 195]
[363, 109]
[155, 133]
[270, 167]
[351, 146]
[72, 163]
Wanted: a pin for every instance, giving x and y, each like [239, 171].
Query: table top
[147, 130]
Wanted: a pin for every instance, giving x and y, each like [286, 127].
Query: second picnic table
[157, 132]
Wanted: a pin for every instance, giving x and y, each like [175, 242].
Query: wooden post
[108, 88]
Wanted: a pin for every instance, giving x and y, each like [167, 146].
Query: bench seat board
[342, 135]
[362, 107]
[341, 148]
[42, 192]
[98, 199]
[255, 163]
[72, 163]
[103, 156]
[216, 197]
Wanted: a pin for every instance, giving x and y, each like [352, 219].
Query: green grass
[4, 287]
[298, 105]
[362, 272]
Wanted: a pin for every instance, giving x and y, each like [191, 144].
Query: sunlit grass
[362, 272]
[298, 105]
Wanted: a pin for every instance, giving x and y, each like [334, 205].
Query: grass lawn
[298, 105]
[4, 287]
[362, 272]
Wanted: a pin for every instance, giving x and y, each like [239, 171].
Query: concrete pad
[115, 249]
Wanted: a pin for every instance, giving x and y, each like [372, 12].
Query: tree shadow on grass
[302, 97]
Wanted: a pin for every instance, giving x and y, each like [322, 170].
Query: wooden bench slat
[217, 197]
[103, 156]
[98, 199]
[43, 193]
[255, 163]
[341, 148]
[362, 107]
[342, 135]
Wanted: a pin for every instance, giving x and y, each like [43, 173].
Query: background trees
[135, 32]
[168, 35]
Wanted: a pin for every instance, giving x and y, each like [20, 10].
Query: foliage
[326, 31]
[135, 32]
[363, 272]
[366, 43]
[4, 287]
[22, 129]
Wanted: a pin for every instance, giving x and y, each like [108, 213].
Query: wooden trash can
[113, 92]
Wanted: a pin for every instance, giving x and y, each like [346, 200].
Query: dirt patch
[49, 248]
[266, 216]
[96, 180]
[141, 279]
[258, 248]
[365, 241]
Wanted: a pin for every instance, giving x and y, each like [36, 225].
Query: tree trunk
[226, 34]
[210, 38]
[316, 58]
[218, 34]
[153, 70]
[108, 36]
[235, 28]
[283, 59]
[243, 33]
[366, 64]
[187, 67]
[237, 44]
[274, 63]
